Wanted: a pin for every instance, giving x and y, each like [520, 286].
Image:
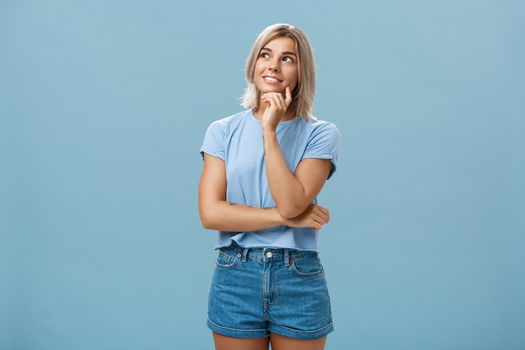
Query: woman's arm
[292, 193]
[218, 214]
[226, 216]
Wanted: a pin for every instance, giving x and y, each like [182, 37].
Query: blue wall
[104, 106]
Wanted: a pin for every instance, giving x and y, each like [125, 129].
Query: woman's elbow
[289, 212]
[205, 224]
[207, 220]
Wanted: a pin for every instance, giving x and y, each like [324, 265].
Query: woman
[263, 168]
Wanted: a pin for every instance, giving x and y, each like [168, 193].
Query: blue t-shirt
[237, 139]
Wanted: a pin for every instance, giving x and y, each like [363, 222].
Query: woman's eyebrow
[284, 53]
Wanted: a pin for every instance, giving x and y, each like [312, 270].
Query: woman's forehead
[283, 43]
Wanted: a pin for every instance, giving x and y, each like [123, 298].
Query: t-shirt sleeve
[324, 143]
[214, 141]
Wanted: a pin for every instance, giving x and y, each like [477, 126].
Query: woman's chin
[271, 89]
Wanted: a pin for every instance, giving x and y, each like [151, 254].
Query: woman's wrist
[267, 130]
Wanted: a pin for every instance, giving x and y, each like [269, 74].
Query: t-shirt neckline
[252, 117]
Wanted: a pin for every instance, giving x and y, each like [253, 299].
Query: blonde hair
[304, 91]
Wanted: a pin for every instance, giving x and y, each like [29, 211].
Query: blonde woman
[263, 169]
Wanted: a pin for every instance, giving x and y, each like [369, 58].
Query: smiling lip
[271, 81]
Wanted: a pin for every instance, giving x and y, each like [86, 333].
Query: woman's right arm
[218, 214]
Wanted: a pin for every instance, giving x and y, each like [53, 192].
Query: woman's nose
[273, 65]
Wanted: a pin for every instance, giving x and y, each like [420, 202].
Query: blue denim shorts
[255, 291]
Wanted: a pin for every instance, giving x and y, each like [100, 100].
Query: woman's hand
[314, 216]
[277, 108]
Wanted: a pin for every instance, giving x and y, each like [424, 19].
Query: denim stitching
[228, 257]
[235, 329]
[312, 273]
[300, 331]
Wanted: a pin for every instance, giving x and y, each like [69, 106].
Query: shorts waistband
[267, 253]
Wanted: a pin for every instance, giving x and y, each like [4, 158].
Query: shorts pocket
[307, 265]
[226, 259]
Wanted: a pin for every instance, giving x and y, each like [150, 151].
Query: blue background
[103, 109]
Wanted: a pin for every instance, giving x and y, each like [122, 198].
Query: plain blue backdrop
[104, 105]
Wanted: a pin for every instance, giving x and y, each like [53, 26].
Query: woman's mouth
[271, 80]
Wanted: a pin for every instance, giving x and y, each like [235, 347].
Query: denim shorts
[255, 291]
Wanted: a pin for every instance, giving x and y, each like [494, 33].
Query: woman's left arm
[292, 193]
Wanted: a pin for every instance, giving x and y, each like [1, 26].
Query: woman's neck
[260, 112]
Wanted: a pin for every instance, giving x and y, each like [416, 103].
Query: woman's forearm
[287, 191]
[226, 216]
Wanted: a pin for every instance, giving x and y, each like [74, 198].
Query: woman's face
[278, 59]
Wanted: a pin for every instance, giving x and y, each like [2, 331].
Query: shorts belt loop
[244, 253]
[286, 257]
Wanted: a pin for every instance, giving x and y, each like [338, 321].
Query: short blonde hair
[304, 91]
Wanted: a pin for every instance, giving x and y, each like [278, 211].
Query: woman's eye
[266, 53]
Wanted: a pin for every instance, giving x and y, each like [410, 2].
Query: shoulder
[226, 122]
[318, 127]
[218, 133]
